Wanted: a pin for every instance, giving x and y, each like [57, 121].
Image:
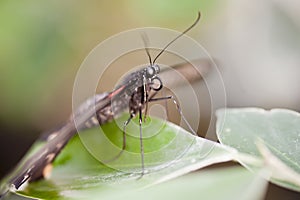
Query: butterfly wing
[37, 164]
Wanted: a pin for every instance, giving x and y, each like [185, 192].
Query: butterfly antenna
[189, 28]
[146, 42]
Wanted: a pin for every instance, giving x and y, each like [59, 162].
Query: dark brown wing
[192, 71]
[33, 168]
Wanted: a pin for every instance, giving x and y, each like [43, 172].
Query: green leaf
[268, 139]
[228, 183]
[82, 171]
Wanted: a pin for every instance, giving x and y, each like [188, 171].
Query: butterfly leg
[141, 143]
[123, 141]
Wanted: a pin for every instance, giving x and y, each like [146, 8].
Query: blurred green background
[42, 44]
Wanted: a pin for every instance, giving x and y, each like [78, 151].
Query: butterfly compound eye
[150, 71]
[156, 68]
